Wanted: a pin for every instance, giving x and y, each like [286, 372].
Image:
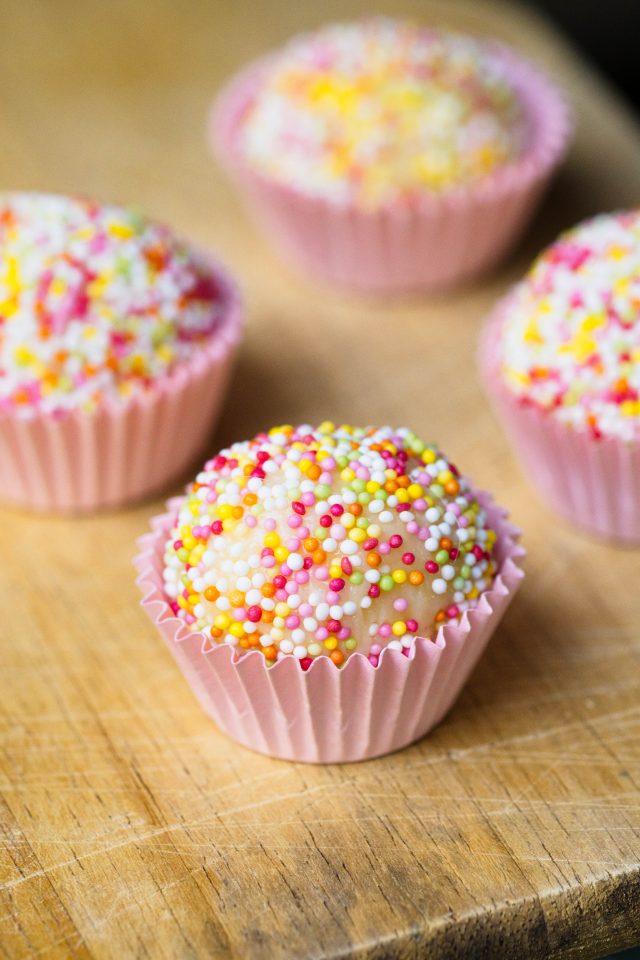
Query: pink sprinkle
[344, 633]
[269, 524]
[400, 604]
[321, 634]
[294, 521]
[373, 660]
[250, 520]
[301, 576]
[308, 499]
[305, 609]
[322, 573]
[293, 544]
[292, 621]
[376, 649]
[384, 549]
[412, 527]
[268, 562]
[385, 630]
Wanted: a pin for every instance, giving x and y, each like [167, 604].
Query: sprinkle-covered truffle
[95, 303]
[382, 111]
[322, 541]
[570, 341]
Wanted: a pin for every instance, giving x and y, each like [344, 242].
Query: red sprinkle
[325, 520]
[408, 558]
[346, 566]
[336, 510]
[374, 590]
[431, 566]
[254, 614]
[395, 540]
[336, 585]
[299, 507]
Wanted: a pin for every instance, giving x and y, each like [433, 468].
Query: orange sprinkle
[211, 594]
[337, 656]
[310, 544]
[268, 590]
[374, 559]
[416, 578]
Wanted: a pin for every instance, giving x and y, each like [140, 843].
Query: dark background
[608, 31]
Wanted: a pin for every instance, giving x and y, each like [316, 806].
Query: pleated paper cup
[76, 462]
[442, 241]
[329, 714]
[592, 482]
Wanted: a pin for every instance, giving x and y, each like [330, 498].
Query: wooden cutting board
[132, 827]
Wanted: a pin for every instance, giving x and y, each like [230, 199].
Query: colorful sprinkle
[330, 588]
[571, 338]
[381, 111]
[95, 303]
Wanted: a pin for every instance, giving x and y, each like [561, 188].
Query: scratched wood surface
[130, 826]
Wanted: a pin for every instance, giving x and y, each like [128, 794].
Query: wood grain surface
[130, 826]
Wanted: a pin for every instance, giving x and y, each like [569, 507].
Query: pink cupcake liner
[437, 243]
[74, 462]
[327, 714]
[594, 483]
